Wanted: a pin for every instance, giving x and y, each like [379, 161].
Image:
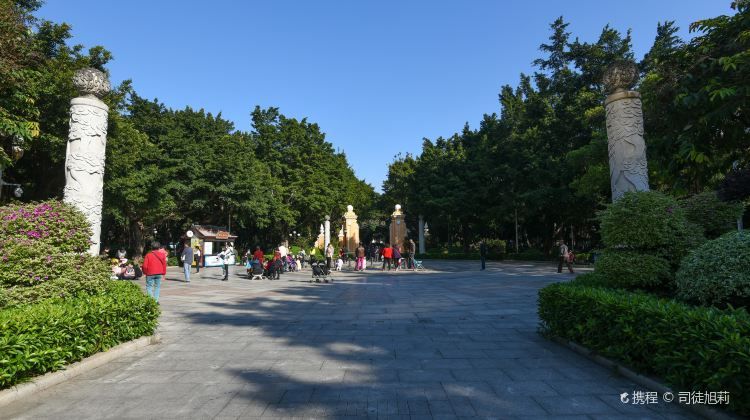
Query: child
[339, 264]
[128, 272]
[137, 262]
[397, 257]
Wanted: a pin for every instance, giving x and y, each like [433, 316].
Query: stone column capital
[623, 94]
[91, 82]
[90, 101]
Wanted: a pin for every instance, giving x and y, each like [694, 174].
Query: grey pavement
[451, 342]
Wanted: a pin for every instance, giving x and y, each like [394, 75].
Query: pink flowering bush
[53, 222]
[43, 253]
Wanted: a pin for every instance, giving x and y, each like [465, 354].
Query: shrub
[494, 246]
[713, 215]
[736, 185]
[174, 261]
[691, 348]
[634, 270]
[458, 256]
[593, 279]
[42, 251]
[649, 222]
[48, 335]
[58, 225]
[718, 272]
[583, 257]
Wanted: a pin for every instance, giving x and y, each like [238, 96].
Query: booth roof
[210, 232]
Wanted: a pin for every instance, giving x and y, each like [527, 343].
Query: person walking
[154, 268]
[283, 252]
[396, 257]
[329, 256]
[564, 257]
[225, 255]
[387, 255]
[360, 258]
[197, 258]
[483, 252]
[187, 261]
[302, 257]
[412, 252]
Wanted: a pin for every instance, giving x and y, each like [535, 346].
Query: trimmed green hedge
[633, 270]
[525, 255]
[455, 256]
[651, 223]
[717, 273]
[691, 348]
[716, 217]
[48, 335]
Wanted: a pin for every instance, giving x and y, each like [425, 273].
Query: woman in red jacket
[154, 268]
[387, 255]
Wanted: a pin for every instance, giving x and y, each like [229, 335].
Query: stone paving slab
[449, 343]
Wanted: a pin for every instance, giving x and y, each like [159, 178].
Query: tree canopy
[165, 169]
[543, 160]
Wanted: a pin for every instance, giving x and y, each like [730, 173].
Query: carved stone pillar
[398, 227]
[327, 226]
[351, 230]
[85, 152]
[421, 235]
[628, 167]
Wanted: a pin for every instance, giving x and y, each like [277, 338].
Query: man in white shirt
[225, 255]
[283, 252]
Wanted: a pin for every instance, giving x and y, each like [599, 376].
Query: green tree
[695, 98]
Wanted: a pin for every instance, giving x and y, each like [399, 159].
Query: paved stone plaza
[452, 342]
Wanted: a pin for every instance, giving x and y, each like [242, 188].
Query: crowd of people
[154, 265]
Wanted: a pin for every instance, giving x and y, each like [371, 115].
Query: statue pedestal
[398, 227]
[351, 228]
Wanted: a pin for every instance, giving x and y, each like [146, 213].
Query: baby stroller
[256, 271]
[290, 263]
[320, 272]
[270, 270]
[418, 265]
[278, 268]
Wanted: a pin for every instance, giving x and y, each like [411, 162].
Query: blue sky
[377, 76]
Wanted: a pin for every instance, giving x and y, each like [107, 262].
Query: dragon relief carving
[89, 123]
[626, 147]
[85, 154]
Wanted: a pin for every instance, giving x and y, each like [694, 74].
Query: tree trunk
[465, 234]
[516, 213]
[136, 237]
